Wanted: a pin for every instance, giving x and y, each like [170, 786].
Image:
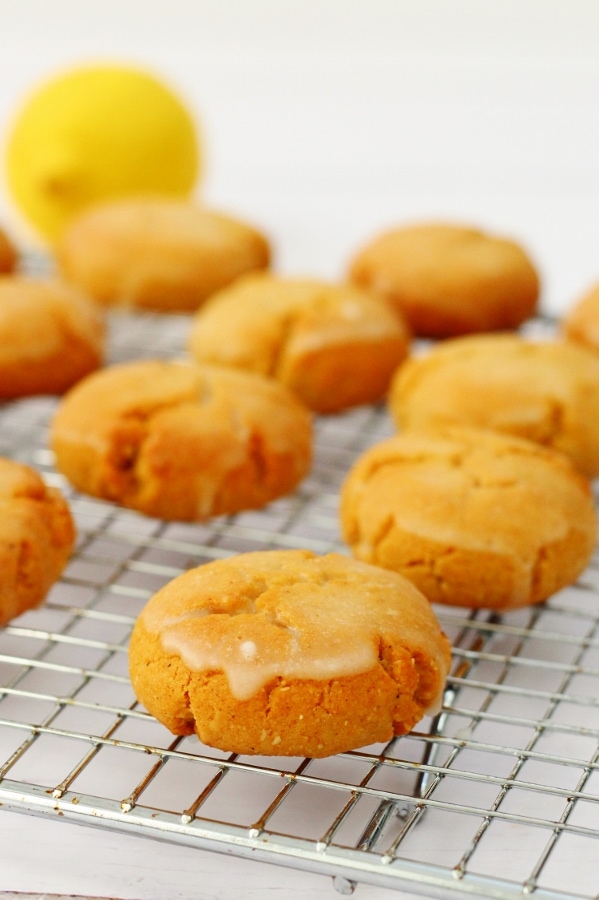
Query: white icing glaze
[248, 672]
[248, 650]
[316, 625]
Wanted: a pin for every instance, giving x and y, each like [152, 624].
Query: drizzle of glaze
[259, 619]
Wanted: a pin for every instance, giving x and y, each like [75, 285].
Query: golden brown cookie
[50, 336]
[182, 441]
[8, 253]
[284, 652]
[157, 254]
[581, 322]
[449, 280]
[36, 538]
[336, 346]
[473, 518]
[546, 391]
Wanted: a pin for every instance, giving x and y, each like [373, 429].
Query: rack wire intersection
[496, 797]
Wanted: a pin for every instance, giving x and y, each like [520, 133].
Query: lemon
[94, 133]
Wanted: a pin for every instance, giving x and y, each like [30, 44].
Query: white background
[325, 121]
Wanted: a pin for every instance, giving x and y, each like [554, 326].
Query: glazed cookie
[287, 653]
[335, 346]
[448, 280]
[546, 391]
[473, 518]
[182, 441]
[36, 538]
[157, 254]
[581, 323]
[50, 336]
[8, 254]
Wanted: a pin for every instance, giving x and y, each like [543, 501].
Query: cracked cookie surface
[36, 538]
[157, 253]
[182, 441]
[51, 336]
[336, 346]
[448, 279]
[546, 391]
[471, 517]
[288, 653]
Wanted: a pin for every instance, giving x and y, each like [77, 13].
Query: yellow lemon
[94, 133]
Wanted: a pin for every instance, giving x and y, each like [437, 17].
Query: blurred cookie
[581, 322]
[336, 346]
[8, 253]
[36, 538]
[473, 518]
[286, 653]
[157, 254]
[182, 441]
[50, 336]
[449, 280]
[546, 391]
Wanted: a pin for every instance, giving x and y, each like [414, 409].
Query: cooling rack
[496, 797]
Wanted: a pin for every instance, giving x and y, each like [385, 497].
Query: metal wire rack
[496, 797]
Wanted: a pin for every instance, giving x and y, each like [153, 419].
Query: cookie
[182, 441]
[336, 346]
[157, 254]
[546, 391]
[473, 518]
[50, 336]
[8, 254]
[581, 322]
[287, 653]
[450, 280]
[36, 538]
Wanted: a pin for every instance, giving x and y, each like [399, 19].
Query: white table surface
[49, 857]
[325, 121]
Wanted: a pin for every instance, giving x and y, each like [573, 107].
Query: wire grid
[496, 797]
